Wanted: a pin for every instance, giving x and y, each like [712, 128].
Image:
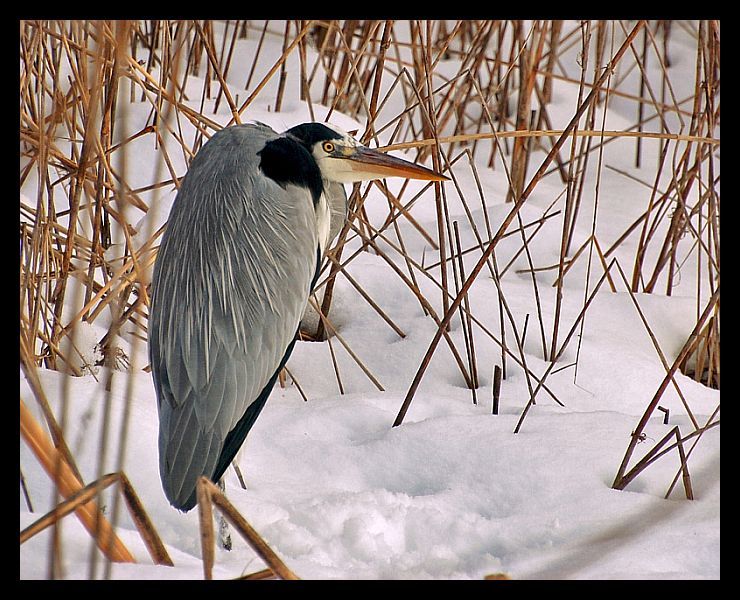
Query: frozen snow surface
[453, 492]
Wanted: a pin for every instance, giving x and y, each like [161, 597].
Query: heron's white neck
[323, 222]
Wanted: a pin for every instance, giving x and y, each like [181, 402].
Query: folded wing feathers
[235, 279]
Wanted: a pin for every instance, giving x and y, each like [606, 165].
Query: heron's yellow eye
[328, 147]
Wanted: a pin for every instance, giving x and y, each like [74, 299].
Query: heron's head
[342, 159]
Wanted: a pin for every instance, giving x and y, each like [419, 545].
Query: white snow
[452, 493]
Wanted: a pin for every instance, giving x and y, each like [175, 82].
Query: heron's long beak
[366, 163]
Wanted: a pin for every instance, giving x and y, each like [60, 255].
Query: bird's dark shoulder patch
[285, 160]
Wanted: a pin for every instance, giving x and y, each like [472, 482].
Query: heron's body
[238, 260]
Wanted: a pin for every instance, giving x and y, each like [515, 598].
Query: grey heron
[240, 255]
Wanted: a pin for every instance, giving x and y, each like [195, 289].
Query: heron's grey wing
[229, 286]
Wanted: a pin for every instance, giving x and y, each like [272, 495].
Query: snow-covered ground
[451, 493]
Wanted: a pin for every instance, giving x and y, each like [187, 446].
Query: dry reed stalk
[79, 498]
[529, 56]
[57, 434]
[572, 199]
[702, 360]
[465, 321]
[552, 53]
[275, 67]
[535, 286]
[660, 449]
[656, 345]
[67, 484]
[688, 173]
[423, 78]
[369, 132]
[522, 359]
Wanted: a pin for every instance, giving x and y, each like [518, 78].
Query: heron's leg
[224, 537]
[238, 472]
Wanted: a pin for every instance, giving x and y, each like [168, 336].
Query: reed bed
[475, 96]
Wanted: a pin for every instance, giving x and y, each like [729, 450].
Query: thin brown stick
[469, 137]
[466, 322]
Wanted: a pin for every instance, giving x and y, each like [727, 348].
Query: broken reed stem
[496, 389]
[660, 449]
[623, 477]
[710, 422]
